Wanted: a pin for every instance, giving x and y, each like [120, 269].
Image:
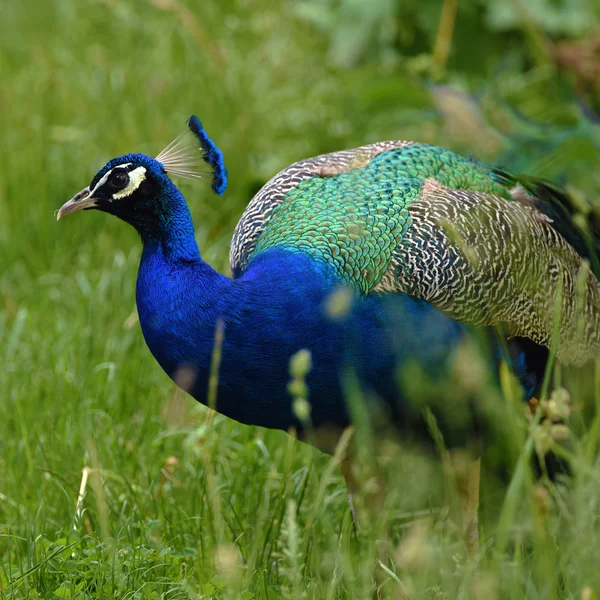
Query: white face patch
[136, 177]
[105, 177]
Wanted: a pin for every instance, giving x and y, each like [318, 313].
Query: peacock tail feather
[485, 247]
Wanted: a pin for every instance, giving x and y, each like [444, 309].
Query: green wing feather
[476, 242]
[352, 221]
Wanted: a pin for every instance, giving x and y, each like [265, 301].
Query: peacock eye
[119, 180]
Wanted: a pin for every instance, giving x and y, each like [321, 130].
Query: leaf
[208, 589]
[63, 591]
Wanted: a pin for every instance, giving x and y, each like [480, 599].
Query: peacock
[373, 262]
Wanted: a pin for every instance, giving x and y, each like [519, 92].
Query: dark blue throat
[164, 225]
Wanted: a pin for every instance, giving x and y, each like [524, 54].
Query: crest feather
[190, 153]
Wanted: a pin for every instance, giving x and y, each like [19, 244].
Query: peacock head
[137, 188]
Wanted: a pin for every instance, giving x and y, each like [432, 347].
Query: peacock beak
[78, 202]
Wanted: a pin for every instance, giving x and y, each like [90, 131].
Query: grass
[182, 503]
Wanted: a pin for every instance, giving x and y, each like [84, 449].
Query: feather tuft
[194, 155]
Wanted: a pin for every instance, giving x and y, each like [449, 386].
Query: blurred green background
[181, 503]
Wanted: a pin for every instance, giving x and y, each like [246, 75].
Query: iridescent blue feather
[213, 156]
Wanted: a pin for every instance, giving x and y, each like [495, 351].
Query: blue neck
[171, 231]
[174, 285]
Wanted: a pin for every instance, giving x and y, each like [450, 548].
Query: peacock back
[484, 246]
